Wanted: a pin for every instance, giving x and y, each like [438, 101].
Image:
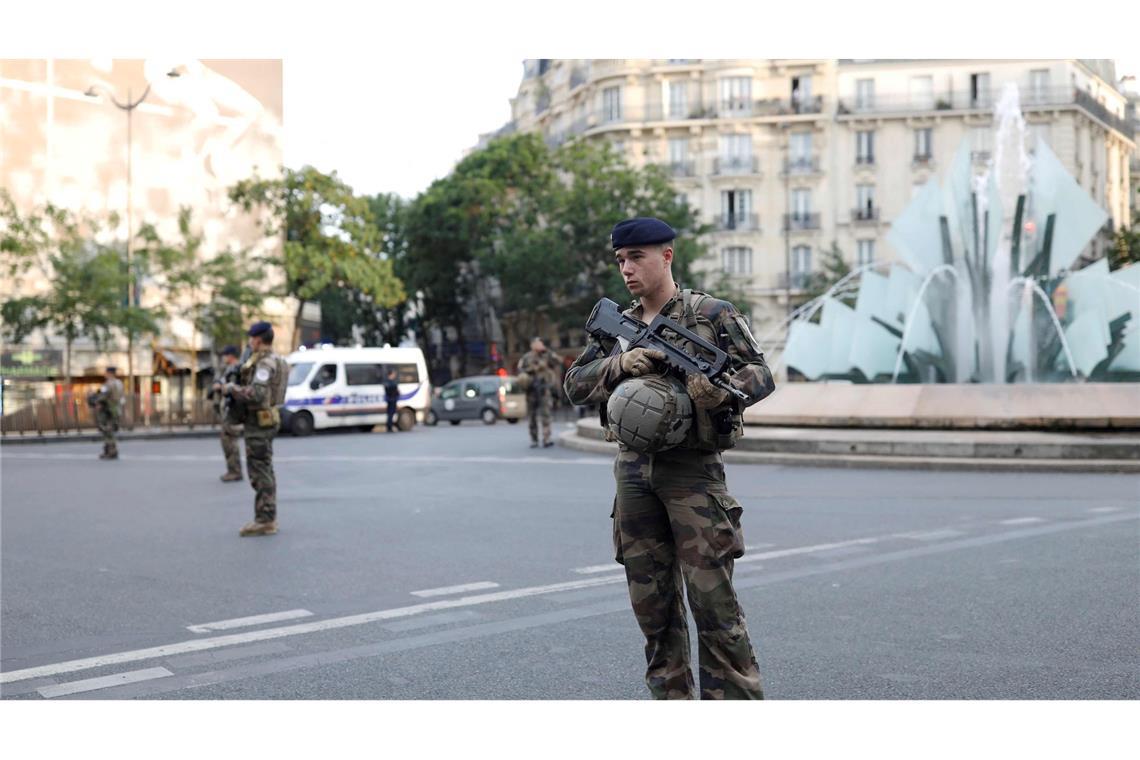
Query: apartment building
[785, 157]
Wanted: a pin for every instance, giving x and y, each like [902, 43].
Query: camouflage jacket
[256, 376]
[109, 397]
[597, 371]
[544, 368]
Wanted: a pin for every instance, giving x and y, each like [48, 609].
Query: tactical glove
[640, 361]
[704, 394]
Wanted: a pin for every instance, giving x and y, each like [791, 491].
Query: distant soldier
[391, 398]
[228, 413]
[540, 372]
[108, 403]
[263, 378]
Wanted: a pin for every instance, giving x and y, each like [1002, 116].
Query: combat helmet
[650, 413]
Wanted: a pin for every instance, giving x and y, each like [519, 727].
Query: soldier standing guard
[540, 371]
[263, 378]
[231, 423]
[108, 401]
[673, 516]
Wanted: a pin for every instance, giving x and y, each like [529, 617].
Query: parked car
[483, 397]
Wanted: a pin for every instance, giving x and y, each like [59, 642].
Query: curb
[572, 440]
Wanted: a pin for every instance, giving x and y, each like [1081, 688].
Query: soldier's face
[645, 269]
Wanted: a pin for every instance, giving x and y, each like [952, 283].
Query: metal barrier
[68, 413]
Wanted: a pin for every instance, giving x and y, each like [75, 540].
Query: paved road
[857, 584]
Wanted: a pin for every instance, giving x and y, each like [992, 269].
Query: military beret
[260, 328]
[112, 370]
[641, 230]
[231, 351]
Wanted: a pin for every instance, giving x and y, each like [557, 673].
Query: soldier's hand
[640, 361]
[704, 394]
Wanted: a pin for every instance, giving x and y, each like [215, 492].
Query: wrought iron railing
[865, 214]
[736, 165]
[793, 222]
[801, 165]
[744, 222]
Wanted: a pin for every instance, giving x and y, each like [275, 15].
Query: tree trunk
[297, 325]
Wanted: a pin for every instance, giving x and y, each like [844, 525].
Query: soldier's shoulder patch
[261, 376]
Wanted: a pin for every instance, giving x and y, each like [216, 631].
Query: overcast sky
[394, 125]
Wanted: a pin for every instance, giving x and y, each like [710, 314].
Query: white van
[344, 387]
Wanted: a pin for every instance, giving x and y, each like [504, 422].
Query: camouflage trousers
[674, 523]
[259, 464]
[230, 435]
[538, 407]
[108, 425]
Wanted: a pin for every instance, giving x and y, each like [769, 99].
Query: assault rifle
[607, 321]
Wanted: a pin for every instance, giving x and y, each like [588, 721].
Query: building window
[736, 260]
[801, 203]
[801, 94]
[922, 92]
[678, 150]
[735, 153]
[864, 201]
[980, 143]
[866, 252]
[922, 144]
[678, 100]
[619, 147]
[735, 208]
[611, 104]
[736, 96]
[682, 199]
[979, 90]
[864, 94]
[801, 263]
[799, 150]
[865, 146]
[1039, 86]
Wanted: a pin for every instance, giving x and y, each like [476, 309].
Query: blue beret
[231, 351]
[641, 230]
[258, 328]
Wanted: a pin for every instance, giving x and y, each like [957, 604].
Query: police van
[344, 387]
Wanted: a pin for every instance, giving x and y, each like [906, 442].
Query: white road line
[445, 590]
[1022, 521]
[930, 535]
[216, 642]
[130, 456]
[242, 622]
[808, 549]
[595, 569]
[1102, 510]
[103, 682]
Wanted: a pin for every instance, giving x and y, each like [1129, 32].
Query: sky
[395, 125]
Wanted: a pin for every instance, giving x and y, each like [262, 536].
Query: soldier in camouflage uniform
[259, 376]
[231, 424]
[108, 402]
[541, 370]
[674, 520]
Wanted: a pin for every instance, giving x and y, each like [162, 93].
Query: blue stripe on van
[352, 398]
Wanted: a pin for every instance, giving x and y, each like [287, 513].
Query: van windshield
[299, 372]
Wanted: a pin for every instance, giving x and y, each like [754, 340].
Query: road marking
[1102, 510]
[809, 549]
[103, 682]
[388, 458]
[242, 622]
[930, 535]
[198, 645]
[1022, 521]
[431, 621]
[445, 590]
[595, 569]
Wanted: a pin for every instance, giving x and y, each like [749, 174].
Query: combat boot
[230, 477]
[256, 528]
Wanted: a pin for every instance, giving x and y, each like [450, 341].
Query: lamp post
[129, 107]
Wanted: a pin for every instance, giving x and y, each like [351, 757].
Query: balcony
[736, 165]
[922, 159]
[738, 222]
[578, 77]
[865, 160]
[681, 168]
[865, 215]
[675, 112]
[801, 165]
[980, 156]
[794, 280]
[801, 222]
[742, 107]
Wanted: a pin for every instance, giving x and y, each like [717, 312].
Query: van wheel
[301, 424]
[431, 418]
[406, 420]
[488, 416]
[513, 420]
[455, 422]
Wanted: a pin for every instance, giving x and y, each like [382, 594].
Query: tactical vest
[719, 428]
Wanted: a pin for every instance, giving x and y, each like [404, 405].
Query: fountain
[983, 292]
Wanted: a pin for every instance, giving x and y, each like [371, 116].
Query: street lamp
[129, 106]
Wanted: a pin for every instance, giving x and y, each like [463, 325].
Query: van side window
[471, 390]
[490, 387]
[364, 374]
[451, 390]
[405, 373]
[326, 375]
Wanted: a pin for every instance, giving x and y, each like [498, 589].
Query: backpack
[280, 380]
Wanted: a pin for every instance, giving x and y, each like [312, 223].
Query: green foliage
[1126, 244]
[330, 239]
[833, 268]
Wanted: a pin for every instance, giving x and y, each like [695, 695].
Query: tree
[87, 280]
[1126, 244]
[330, 240]
[833, 268]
